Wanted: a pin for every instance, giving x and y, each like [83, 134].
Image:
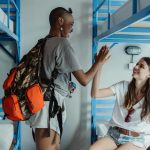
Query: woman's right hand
[103, 55]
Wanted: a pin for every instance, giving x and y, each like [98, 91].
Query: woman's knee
[56, 146]
[105, 143]
[92, 147]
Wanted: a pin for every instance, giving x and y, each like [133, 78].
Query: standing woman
[130, 123]
[58, 54]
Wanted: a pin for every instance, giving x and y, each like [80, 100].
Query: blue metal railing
[8, 35]
[124, 26]
[100, 113]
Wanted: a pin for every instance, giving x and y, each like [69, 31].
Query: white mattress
[3, 19]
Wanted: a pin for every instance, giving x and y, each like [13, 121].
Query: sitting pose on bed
[130, 123]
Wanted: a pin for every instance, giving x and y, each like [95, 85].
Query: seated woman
[130, 123]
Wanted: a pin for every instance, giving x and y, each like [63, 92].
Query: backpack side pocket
[9, 80]
[35, 98]
[11, 108]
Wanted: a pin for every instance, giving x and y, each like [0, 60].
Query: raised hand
[103, 55]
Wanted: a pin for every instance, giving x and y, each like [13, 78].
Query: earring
[61, 28]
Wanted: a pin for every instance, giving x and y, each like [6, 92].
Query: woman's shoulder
[121, 86]
[64, 41]
[60, 40]
[124, 86]
[123, 83]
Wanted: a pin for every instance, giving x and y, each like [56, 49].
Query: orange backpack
[24, 92]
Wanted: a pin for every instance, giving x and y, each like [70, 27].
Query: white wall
[34, 24]
[6, 63]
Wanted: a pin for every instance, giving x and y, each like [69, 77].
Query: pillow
[6, 135]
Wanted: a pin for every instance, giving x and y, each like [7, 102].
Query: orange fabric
[11, 108]
[9, 80]
[35, 98]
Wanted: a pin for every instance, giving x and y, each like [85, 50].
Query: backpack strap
[60, 122]
[54, 108]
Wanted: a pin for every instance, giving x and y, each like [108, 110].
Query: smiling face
[141, 71]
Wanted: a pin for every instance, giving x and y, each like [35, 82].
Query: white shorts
[40, 119]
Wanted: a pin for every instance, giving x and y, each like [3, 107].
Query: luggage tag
[71, 88]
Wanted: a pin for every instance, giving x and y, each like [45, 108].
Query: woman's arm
[84, 77]
[95, 91]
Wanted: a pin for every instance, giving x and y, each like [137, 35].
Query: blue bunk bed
[101, 114]
[133, 26]
[121, 21]
[10, 31]
[11, 8]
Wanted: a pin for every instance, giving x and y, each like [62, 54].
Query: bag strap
[70, 78]
[55, 109]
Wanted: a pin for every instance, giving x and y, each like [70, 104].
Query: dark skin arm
[85, 77]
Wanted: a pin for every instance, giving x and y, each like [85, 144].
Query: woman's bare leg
[105, 143]
[46, 142]
[129, 146]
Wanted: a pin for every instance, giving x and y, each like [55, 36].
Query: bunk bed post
[18, 136]
[8, 12]
[93, 120]
[94, 50]
[109, 13]
[11, 7]
[18, 147]
[18, 30]
[134, 6]
[94, 29]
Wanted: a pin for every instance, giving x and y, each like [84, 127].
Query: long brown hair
[130, 96]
